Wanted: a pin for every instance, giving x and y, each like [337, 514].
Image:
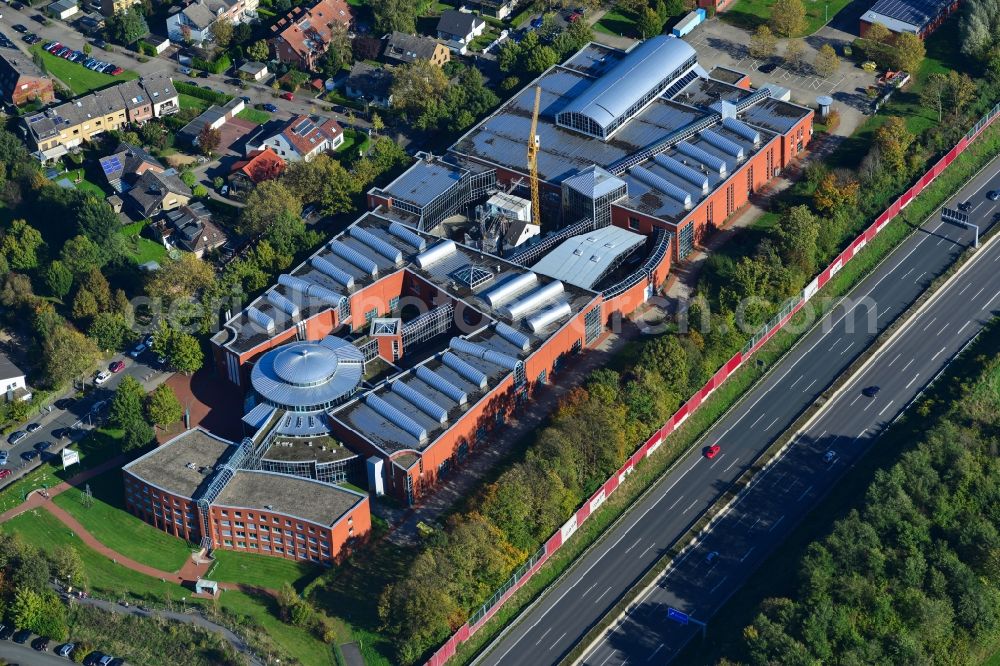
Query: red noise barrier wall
[527, 570]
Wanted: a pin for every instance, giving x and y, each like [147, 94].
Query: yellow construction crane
[533, 144]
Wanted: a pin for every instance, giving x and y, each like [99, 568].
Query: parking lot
[721, 44]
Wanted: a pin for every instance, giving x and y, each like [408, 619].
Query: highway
[556, 622]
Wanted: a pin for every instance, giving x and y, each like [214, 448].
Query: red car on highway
[712, 451]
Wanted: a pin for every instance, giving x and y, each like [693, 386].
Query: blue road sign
[677, 616]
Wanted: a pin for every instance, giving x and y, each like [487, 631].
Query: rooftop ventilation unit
[332, 272]
[513, 336]
[439, 383]
[698, 155]
[484, 353]
[396, 417]
[741, 128]
[376, 243]
[399, 230]
[312, 290]
[723, 144]
[464, 370]
[505, 291]
[421, 402]
[353, 257]
[262, 320]
[283, 304]
[683, 170]
[533, 301]
[662, 185]
[431, 256]
[540, 320]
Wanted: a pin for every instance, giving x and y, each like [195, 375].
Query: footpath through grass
[748, 14]
[78, 78]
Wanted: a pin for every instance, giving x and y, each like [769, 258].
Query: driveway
[721, 44]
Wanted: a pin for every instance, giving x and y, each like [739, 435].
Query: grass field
[748, 14]
[192, 102]
[78, 78]
[353, 141]
[108, 521]
[261, 570]
[255, 116]
[142, 249]
[83, 185]
[617, 23]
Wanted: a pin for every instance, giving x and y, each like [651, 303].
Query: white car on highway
[102, 377]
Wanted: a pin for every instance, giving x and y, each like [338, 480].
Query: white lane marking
[804, 493]
[835, 343]
[721, 581]
[847, 348]
[776, 523]
[990, 302]
[648, 548]
[907, 365]
[912, 380]
[758, 419]
[907, 272]
[675, 502]
[937, 354]
[943, 238]
[806, 389]
[754, 524]
[868, 406]
[770, 425]
[591, 587]
[920, 276]
[658, 648]
[736, 460]
[978, 292]
[716, 461]
[747, 554]
[603, 593]
[943, 328]
[894, 359]
[689, 508]
[964, 288]
[887, 405]
[859, 435]
[964, 325]
[560, 639]
[608, 658]
[636, 543]
[796, 381]
[543, 636]
[856, 398]
[933, 319]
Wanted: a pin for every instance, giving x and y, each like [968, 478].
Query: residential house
[214, 117]
[55, 130]
[12, 380]
[194, 22]
[191, 228]
[458, 29]
[155, 192]
[373, 85]
[253, 71]
[302, 36]
[406, 49]
[21, 81]
[260, 165]
[498, 9]
[301, 139]
[126, 163]
[112, 7]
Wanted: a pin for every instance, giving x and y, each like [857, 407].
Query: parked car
[4, 457]
[117, 366]
[32, 427]
[40, 644]
[22, 636]
[100, 43]
[4, 473]
[139, 348]
[19, 28]
[28, 456]
[98, 406]
[102, 377]
[51, 45]
[65, 403]
[767, 67]
[993, 195]
[65, 650]
[6, 631]
[965, 206]
[287, 95]
[117, 71]
[184, 70]
[270, 108]
[203, 75]
[38, 18]
[16, 437]
[537, 22]
[712, 451]
[109, 68]
[43, 446]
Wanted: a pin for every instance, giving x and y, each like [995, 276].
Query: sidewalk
[36, 499]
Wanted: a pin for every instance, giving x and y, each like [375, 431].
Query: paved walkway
[37, 499]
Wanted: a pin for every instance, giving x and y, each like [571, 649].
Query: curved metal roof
[308, 375]
[627, 82]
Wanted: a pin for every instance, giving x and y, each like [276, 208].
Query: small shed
[205, 586]
[254, 71]
[159, 44]
[689, 22]
[63, 9]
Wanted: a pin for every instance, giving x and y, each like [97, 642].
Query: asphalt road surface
[553, 625]
[77, 417]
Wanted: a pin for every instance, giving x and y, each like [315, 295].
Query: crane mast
[533, 143]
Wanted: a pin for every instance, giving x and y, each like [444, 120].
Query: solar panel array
[111, 164]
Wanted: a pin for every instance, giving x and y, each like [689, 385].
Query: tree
[907, 53]
[209, 139]
[67, 354]
[57, 278]
[835, 192]
[961, 91]
[366, 47]
[797, 234]
[80, 254]
[110, 330]
[893, 140]
[97, 221]
[393, 15]
[84, 306]
[67, 566]
[377, 124]
[794, 52]
[417, 87]
[762, 43]
[222, 32]
[242, 32]
[978, 26]
[259, 50]
[181, 279]
[21, 245]
[827, 62]
[788, 18]
[95, 282]
[266, 202]
[127, 26]
[878, 33]
[128, 414]
[16, 290]
[185, 353]
[934, 92]
[338, 52]
[162, 406]
[649, 23]
[28, 608]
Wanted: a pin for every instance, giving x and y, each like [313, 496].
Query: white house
[301, 139]
[458, 29]
[195, 21]
[12, 380]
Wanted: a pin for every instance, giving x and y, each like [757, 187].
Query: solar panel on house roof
[914, 12]
[111, 165]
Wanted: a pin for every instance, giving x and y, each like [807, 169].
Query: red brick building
[21, 81]
[302, 36]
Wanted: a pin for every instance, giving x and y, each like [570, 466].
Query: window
[633, 223]
[225, 523]
[370, 315]
[393, 303]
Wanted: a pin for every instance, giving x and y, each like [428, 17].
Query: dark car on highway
[870, 391]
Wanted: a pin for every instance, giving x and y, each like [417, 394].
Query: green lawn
[108, 521]
[77, 77]
[617, 23]
[192, 102]
[83, 185]
[354, 141]
[748, 14]
[260, 570]
[255, 116]
[142, 249]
